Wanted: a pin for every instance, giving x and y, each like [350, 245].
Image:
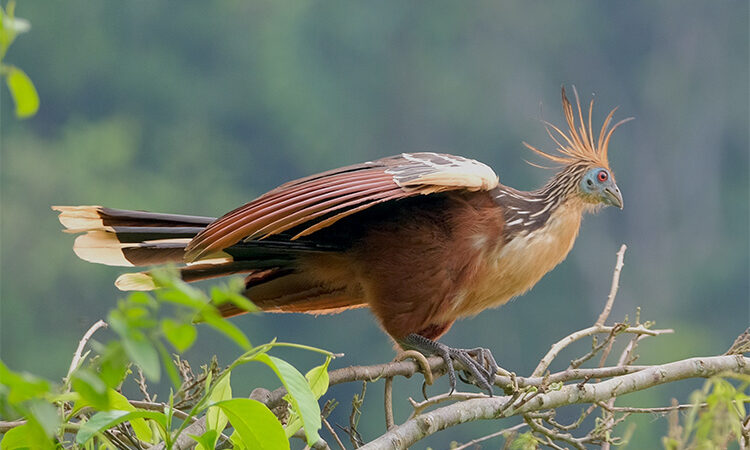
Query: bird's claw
[478, 363]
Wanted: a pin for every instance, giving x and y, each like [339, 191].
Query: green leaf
[180, 298]
[10, 26]
[28, 436]
[169, 364]
[237, 442]
[92, 389]
[220, 296]
[212, 318]
[216, 419]
[136, 345]
[206, 440]
[113, 363]
[293, 424]
[180, 335]
[22, 386]
[318, 379]
[255, 425]
[302, 399]
[140, 426]
[105, 420]
[46, 415]
[23, 92]
[143, 353]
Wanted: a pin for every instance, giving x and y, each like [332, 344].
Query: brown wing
[320, 200]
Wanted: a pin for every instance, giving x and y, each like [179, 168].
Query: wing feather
[320, 200]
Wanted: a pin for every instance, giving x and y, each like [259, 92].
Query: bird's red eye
[602, 176]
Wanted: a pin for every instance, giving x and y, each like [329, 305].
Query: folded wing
[312, 203]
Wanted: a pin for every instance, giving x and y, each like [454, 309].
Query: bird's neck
[527, 211]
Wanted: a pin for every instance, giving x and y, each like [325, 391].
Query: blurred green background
[197, 107]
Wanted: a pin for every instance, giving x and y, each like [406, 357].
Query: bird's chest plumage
[512, 268]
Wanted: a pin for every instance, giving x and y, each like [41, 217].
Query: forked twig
[613, 288]
[81, 345]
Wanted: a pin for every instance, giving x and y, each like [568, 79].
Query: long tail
[119, 237]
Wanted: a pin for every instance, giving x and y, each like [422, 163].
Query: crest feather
[578, 144]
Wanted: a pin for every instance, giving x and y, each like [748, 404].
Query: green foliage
[53, 411]
[317, 378]
[525, 441]
[255, 426]
[715, 420]
[19, 84]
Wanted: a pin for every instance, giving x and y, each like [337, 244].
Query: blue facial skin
[599, 187]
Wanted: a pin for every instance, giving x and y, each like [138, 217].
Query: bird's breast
[513, 268]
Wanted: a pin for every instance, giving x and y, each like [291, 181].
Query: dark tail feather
[118, 237]
[86, 218]
[143, 281]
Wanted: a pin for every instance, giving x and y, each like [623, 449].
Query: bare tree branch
[613, 289]
[566, 341]
[506, 431]
[81, 345]
[492, 407]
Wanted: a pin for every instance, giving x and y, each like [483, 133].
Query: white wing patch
[434, 172]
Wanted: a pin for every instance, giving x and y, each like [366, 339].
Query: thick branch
[495, 407]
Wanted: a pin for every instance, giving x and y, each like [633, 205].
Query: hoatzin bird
[422, 239]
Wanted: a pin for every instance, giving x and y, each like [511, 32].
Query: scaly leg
[478, 362]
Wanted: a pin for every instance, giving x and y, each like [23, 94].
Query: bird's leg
[478, 362]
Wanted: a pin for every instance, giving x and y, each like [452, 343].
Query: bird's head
[598, 186]
[586, 174]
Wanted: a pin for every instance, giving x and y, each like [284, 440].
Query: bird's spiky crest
[578, 145]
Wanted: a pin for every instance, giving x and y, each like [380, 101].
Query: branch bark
[495, 407]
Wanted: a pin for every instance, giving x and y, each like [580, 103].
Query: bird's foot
[478, 363]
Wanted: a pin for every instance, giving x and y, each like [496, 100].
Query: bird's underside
[422, 239]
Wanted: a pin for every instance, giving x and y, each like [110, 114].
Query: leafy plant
[19, 84]
[87, 409]
[716, 417]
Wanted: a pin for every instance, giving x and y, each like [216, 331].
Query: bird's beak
[612, 196]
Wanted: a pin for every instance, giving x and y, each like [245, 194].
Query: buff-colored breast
[513, 268]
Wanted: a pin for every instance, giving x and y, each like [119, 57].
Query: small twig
[613, 288]
[741, 344]
[596, 348]
[490, 436]
[524, 400]
[609, 416]
[441, 398]
[161, 407]
[388, 403]
[141, 381]
[551, 420]
[564, 342]
[550, 443]
[7, 426]
[81, 345]
[320, 445]
[554, 435]
[357, 402]
[421, 360]
[654, 410]
[333, 433]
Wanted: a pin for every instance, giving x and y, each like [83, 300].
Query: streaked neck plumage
[527, 211]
